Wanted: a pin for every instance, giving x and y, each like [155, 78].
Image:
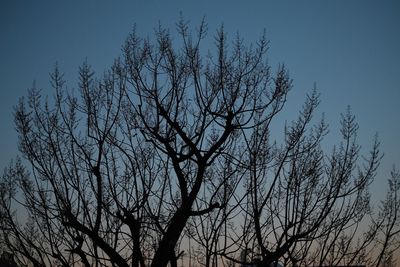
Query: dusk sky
[349, 49]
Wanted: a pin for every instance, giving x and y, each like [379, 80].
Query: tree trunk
[167, 245]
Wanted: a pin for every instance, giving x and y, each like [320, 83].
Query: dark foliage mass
[169, 158]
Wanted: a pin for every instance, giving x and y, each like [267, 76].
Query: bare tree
[388, 240]
[170, 154]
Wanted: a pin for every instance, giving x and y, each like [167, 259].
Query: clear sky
[350, 49]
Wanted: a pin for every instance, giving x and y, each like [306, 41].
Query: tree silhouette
[169, 155]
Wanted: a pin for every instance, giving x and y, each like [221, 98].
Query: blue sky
[350, 49]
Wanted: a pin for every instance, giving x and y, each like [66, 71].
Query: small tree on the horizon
[169, 156]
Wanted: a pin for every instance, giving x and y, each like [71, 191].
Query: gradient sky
[349, 49]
